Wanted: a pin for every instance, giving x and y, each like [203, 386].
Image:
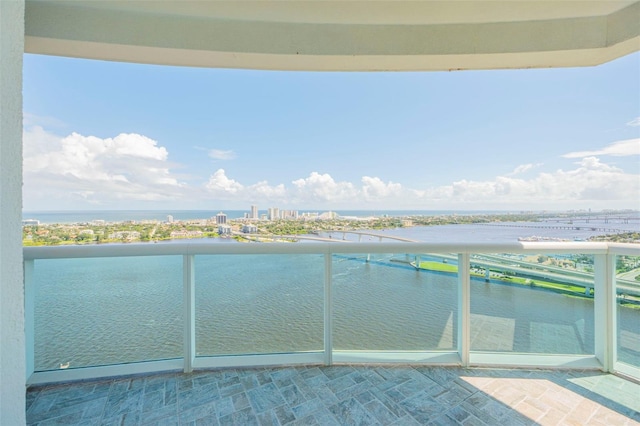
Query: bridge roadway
[605, 219]
[258, 237]
[598, 228]
[500, 263]
[370, 234]
[561, 275]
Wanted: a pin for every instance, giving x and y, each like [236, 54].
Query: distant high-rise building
[169, 218]
[221, 218]
[289, 214]
[274, 213]
[254, 212]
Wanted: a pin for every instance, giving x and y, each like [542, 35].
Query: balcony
[132, 316]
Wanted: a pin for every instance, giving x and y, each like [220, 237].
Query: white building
[254, 212]
[221, 218]
[273, 213]
[289, 214]
[224, 229]
[249, 229]
[312, 35]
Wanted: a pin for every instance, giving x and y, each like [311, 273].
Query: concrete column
[12, 349]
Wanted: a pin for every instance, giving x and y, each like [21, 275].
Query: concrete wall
[12, 338]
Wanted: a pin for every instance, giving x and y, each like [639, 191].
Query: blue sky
[105, 135]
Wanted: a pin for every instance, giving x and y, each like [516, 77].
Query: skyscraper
[221, 218]
[254, 212]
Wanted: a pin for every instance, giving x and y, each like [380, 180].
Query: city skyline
[101, 135]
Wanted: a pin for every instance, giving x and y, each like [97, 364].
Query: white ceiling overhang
[337, 35]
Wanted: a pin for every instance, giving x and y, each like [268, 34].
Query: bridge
[259, 238]
[587, 219]
[558, 274]
[598, 228]
[360, 234]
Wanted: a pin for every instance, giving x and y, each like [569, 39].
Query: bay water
[91, 312]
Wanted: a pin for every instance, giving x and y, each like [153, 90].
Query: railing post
[189, 312]
[328, 311]
[29, 316]
[604, 305]
[464, 308]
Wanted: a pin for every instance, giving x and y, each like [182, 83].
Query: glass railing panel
[259, 304]
[540, 304]
[382, 302]
[628, 309]
[95, 312]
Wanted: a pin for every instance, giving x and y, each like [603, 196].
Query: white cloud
[219, 154]
[126, 167]
[79, 171]
[523, 168]
[618, 149]
[375, 189]
[635, 122]
[322, 188]
[221, 186]
[592, 181]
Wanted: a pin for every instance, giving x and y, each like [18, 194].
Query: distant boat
[64, 366]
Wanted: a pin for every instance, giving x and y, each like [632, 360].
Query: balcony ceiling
[337, 35]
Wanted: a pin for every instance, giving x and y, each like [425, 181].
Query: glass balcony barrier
[94, 311]
[627, 314]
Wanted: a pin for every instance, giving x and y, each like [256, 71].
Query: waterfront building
[249, 229]
[311, 36]
[289, 214]
[224, 229]
[221, 218]
[169, 219]
[254, 212]
[273, 213]
[30, 222]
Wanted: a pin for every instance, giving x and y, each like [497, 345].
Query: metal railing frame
[604, 358]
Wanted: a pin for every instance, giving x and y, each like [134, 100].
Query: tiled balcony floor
[342, 395]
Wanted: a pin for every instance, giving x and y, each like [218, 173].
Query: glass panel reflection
[258, 304]
[383, 302]
[532, 304]
[93, 312]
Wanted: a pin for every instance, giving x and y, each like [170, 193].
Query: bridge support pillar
[487, 274]
[417, 262]
[368, 257]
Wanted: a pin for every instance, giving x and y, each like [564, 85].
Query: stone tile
[292, 395]
[123, 402]
[351, 412]
[340, 383]
[423, 408]
[284, 414]
[381, 413]
[198, 396]
[225, 406]
[386, 395]
[307, 408]
[202, 411]
[407, 420]
[268, 418]
[240, 401]
[168, 411]
[244, 417]
[265, 397]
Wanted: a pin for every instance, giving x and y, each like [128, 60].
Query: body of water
[119, 310]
